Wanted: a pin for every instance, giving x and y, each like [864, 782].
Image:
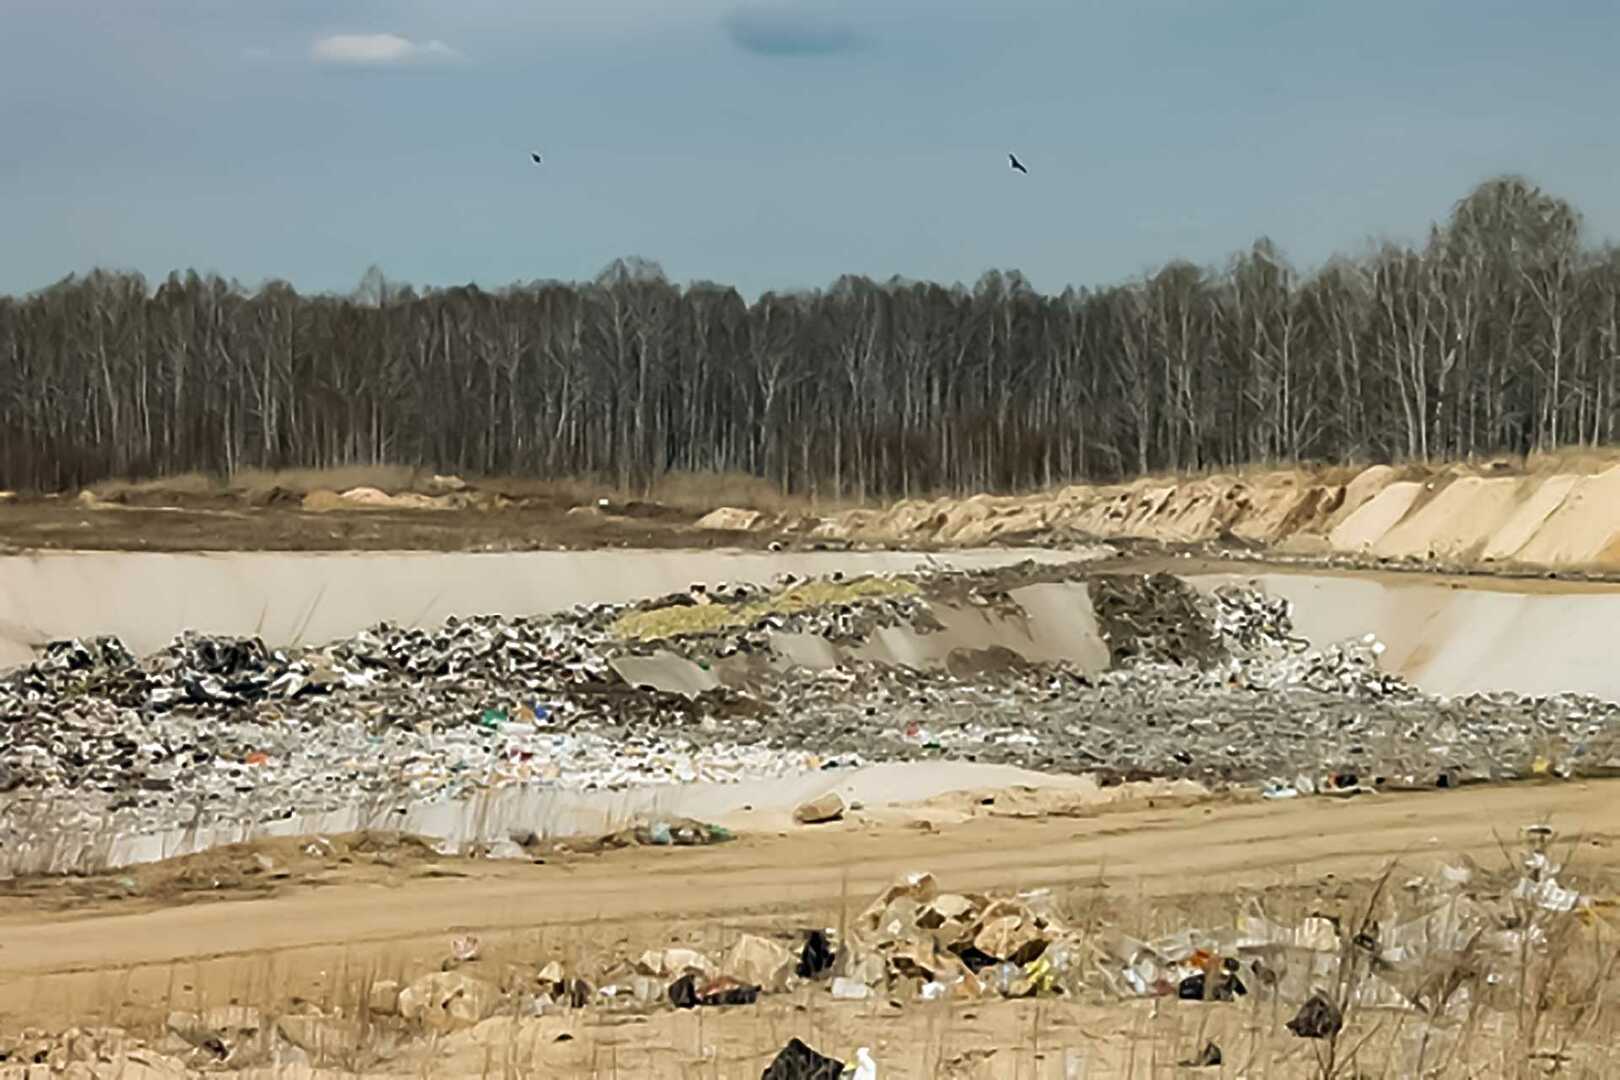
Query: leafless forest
[1500, 333]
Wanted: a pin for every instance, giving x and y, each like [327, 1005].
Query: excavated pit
[711, 700]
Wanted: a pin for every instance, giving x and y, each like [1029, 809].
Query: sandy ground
[71, 952]
[176, 523]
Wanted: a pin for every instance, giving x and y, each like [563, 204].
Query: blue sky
[774, 144]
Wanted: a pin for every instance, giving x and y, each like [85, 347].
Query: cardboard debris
[446, 1000]
[761, 962]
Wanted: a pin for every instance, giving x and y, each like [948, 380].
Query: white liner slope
[498, 815]
[1450, 639]
[1446, 637]
[146, 598]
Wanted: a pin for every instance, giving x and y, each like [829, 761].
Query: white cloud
[378, 50]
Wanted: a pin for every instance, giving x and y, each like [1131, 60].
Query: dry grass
[701, 491]
[248, 483]
[1547, 1009]
[695, 492]
[1552, 1017]
[692, 492]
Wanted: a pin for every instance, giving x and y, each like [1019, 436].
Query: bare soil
[536, 524]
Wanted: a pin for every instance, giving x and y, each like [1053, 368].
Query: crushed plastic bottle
[846, 989]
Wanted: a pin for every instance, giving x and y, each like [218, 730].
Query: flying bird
[1012, 159]
[535, 156]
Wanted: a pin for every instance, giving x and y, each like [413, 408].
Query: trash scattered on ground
[465, 949]
[1208, 1058]
[1318, 1018]
[953, 946]
[847, 989]
[692, 990]
[444, 1001]
[797, 1061]
[817, 957]
[1438, 949]
[761, 962]
[666, 832]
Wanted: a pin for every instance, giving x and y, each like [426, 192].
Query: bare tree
[1498, 333]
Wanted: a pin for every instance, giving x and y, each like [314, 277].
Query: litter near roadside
[797, 1061]
[690, 991]
[465, 949]
[1318, 1018]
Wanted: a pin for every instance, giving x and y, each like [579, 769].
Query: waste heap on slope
[1217, 689]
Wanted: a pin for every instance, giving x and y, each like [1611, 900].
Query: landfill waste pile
[215, 730]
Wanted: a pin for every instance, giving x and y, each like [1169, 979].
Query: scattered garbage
[666, 832]
[1437, 947]
[1318, 1018]
[760, 961]
[952, 945]
[797, 1061]
[1222, 985]
[817, 956]
[445, 1001]
[692, 990]
[675, 961]
[465, 949]
[847, 989]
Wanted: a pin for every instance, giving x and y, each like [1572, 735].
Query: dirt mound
[730, 519]
[1456, 523]
[1362, 529]
[1258, 509]
[1582, 528]
[1528, 517]
[1456, 515]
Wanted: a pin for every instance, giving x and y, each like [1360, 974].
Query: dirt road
[56, 963]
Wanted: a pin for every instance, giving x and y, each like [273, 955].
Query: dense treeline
[1500, 333]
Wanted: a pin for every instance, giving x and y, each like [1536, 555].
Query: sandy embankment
[1451, 517]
